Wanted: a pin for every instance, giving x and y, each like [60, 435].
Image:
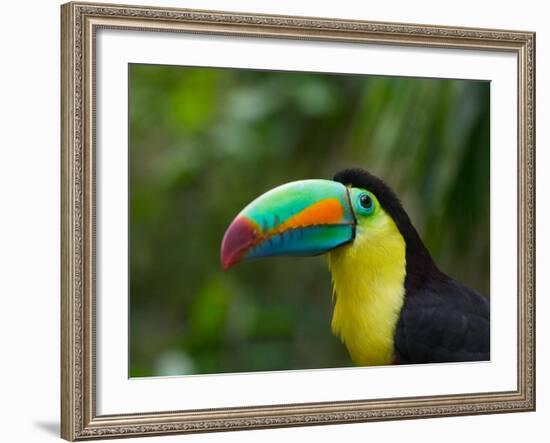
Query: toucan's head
[312, 217]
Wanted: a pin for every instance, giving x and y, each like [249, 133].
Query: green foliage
[205, 142]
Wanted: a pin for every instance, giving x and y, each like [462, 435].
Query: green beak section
[307, 217]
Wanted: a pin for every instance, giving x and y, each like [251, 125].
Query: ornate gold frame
[80, 21]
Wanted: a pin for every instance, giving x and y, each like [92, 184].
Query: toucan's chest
[368, 280]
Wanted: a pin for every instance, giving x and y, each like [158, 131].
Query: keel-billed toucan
[391, 302]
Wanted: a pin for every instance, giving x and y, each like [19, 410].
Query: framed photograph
[283, 221]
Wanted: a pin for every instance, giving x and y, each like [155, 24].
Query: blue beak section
[311, 240]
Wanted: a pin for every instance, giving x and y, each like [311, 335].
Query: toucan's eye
[366, 201]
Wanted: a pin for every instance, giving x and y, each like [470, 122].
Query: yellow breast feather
[368, 284]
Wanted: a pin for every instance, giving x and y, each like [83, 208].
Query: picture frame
[81, 22]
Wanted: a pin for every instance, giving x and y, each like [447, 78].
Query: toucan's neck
[420, 266]
[369, 286]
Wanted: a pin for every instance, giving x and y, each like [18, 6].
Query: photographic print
[298, 220]
[256, 206]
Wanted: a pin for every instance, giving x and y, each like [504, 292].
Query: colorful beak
[307, 217]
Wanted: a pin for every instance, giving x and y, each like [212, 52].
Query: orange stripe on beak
[324, 212]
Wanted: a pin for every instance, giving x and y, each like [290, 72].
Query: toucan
[392, 305]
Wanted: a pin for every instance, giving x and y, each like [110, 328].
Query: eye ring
[366, 202]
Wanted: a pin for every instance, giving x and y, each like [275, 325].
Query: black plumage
[441, 320]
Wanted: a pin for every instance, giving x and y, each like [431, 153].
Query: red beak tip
[225, 265]
[228, 261]
[236, 241]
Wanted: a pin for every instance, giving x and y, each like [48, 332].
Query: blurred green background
[204, 142]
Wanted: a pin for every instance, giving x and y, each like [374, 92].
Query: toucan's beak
[307, 217]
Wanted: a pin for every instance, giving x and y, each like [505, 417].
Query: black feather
[441, 319]
[443, 322]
